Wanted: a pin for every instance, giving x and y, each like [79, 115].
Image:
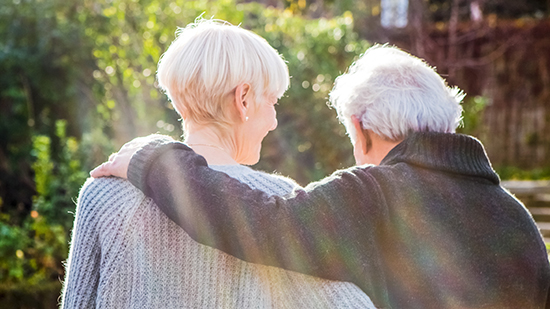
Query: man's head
[392, 93]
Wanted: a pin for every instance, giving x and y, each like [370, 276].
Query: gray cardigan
[430, 227]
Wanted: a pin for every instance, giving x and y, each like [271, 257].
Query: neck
[211, 146]
[379, 148]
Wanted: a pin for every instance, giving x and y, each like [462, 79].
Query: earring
[246, 119]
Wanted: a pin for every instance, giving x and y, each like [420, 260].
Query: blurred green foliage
[515, 173]
[473, 114]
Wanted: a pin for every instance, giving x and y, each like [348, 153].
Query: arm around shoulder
[314, 231]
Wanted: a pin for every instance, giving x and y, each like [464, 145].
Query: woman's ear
[182, 110]
[241, 101]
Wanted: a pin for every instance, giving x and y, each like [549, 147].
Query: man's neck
[380, 149]
[377, 151]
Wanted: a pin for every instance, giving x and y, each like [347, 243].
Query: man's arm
[326, 230]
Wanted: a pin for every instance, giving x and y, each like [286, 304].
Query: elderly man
[422, 222]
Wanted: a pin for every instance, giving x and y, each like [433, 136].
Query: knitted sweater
[430, 227]
[125, 253]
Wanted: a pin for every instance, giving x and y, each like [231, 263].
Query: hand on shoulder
[118, 162]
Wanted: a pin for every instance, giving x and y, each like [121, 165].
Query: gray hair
[393, 93]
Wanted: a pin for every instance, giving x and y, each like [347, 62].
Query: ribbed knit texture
[125, 253]
[453, 153]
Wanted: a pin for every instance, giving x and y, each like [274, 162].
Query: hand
[119, 161]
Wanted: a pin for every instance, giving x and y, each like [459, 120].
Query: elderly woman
[425, 224]
[224, 81]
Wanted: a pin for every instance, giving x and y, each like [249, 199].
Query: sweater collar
[447, 152]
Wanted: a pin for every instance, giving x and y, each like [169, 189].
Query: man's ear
[241, 100]
[361, 141]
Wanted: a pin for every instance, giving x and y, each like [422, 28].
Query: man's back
[455, 237]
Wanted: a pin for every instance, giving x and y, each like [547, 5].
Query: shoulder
[360, 175]
[356, 187]
[276, 177]
[112, 189]
[273, 184]
[104, 197]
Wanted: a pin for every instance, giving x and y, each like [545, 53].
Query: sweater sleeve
[82, 266]
[323, 230]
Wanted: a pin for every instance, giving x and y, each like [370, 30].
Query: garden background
[77, 80]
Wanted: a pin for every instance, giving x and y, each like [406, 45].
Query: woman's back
[126, 253]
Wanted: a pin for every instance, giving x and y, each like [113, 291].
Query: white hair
[393, 93]
[208, 60]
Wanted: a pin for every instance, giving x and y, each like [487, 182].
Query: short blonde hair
[208, 60]
[393, 93]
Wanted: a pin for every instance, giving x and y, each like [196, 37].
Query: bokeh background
[77, 80]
